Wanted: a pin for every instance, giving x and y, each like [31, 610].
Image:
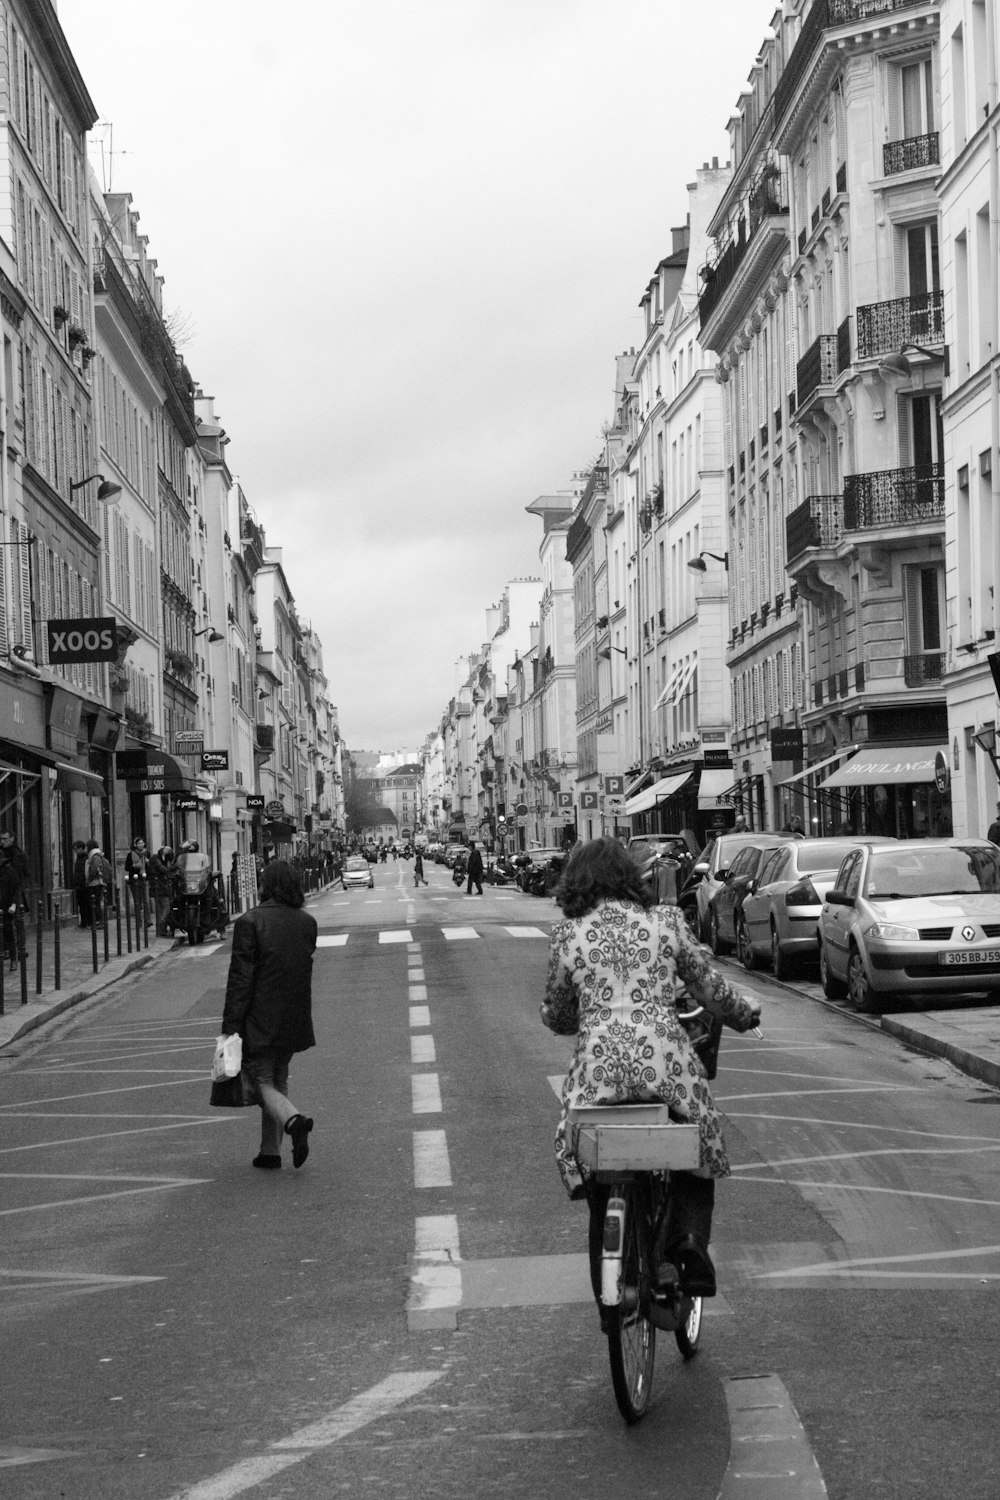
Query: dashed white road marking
[332, 940]
[418, 992]
[459, 934]
[525, 932]
[402, 936]
[420, 1015]
[415, 974]
[426, 1091]
[422, 1050]
[436, 1277]
[431, 1165]
[339, 1423]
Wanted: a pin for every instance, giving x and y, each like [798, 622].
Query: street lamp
[700, 566]
[986, 739]
[107, 490]
[897, 363]
[213, 634]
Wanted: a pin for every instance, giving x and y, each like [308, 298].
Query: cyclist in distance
[616, 966]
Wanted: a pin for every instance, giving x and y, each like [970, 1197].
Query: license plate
[970, 957]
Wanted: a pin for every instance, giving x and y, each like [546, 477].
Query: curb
[37, 1012]
[985, 1069]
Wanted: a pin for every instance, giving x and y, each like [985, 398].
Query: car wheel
[690, 915]
[744, 947]
[833, 988]
[862, 996]
[780, 964]
[715, 938]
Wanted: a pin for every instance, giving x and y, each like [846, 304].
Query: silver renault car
[921, 916]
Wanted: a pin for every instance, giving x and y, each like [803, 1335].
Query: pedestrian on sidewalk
[80, 888]
[418, 869]
[99, 878]
[19, 864]
[269, 1004]
[162, 875]
[474, 870]
[137, 878]
[10, 900]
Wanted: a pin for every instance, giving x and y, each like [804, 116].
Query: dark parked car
[725, 911]
[708, 872]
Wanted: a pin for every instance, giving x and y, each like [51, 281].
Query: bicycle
[629, 1151]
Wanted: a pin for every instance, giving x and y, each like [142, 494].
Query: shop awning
[658, 792]
[715, 785]
[637, 784]
[886, 765]
[75, 779]
[152, 771]
[820, 765]
[13, 780]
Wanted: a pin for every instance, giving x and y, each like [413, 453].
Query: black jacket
[474, 869]
[269, 991]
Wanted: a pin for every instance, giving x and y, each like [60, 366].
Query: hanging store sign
[786, 744]
[215, 760]
[255, 802]
[82, 640]
[185, 804]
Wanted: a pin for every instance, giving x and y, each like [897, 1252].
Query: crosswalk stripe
[405, 936]
[525, 931]
[459, 934]
[332, 940]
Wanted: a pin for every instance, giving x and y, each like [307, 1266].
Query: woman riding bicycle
[616, 965]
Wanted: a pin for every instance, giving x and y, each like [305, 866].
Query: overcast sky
[405, 240]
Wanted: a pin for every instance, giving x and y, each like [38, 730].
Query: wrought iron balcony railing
[817, 522]
[818, 366]
[909, 154]
[884, 327]
[894, 497]
[823, 15]
[927, 667]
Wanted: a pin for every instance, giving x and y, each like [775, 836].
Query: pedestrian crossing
[390, 936]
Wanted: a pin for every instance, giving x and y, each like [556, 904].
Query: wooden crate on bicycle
[632, 1138]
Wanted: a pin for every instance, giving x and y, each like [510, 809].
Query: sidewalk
[77, 978]
[970, 1039]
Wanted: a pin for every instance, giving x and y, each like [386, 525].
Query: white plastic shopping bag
[228, 1059]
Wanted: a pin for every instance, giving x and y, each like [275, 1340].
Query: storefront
[900, 791]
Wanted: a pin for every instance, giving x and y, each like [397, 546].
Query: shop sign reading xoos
[82, 640]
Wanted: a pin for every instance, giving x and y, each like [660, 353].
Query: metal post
[128, 919]
[22, 952]
[118, 929]
[3, 967]
[118, 919]
[56, 942]
[95, 895]
[145, 913]
[38, 947]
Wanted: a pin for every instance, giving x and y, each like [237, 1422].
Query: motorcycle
[199, 903]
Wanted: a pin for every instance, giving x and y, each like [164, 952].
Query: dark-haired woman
[616, 963]
[269, 1003]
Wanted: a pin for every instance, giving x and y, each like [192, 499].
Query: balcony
[823, 15]
[767, 200]
[927, 667]
[818, 366]
[817, 522]
[910, 154]
[893, 497]
[884, 327]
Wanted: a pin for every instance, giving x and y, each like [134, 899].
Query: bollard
[128, 921]
[145, 913]
[56, 943]
[3, 967]
[22, 953]
[118, 919]
[118, 930]
[95, 896]
[39, 934]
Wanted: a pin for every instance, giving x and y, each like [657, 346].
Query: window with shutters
[924, 593]
[20, 623]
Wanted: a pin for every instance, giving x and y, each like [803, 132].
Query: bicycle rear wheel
[631, 1336]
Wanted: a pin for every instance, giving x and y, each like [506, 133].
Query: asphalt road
[409, 1312]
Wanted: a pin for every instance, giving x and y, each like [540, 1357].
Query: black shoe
[298, 1127]
[694, 1267]
[268, 1163]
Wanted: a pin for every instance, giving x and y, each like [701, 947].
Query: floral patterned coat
[613, 980]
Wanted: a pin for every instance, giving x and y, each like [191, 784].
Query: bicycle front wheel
[631, 1336]
[688, 1334]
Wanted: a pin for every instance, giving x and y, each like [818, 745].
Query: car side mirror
[839, 898]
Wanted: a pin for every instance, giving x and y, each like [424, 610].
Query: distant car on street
[708, 872]
[357, 871]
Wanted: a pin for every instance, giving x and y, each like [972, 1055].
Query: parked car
[780, 914]
[920, 916]
[708, 872]
[357, 871]
[453, 852]
[725, 909]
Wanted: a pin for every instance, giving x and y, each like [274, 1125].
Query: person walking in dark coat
[162, 874]
[269, 1004]
[19, 864]
[80, 888]
[10, 901]
[474, 870]
[418, 869]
